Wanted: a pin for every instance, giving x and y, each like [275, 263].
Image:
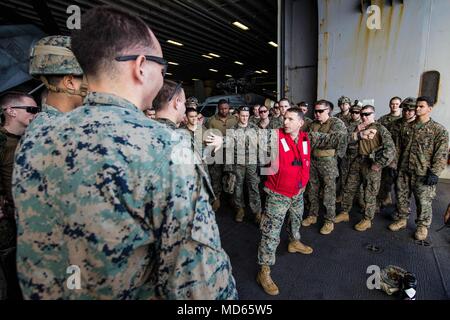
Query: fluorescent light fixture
[213, 70]
[214, 55]
[206, 56]
[259, 72]
[175, 43]
[264, 71]
[195, 79]
[273, 44]
[240, 25]
[169, 74]
[229, 76]
[239, 63]
[173, 63]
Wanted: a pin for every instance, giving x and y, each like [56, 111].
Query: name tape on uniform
[285, 145]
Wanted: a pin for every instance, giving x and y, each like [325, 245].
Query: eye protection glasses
[366, 114]
[158, 60]
[29, 109]
[320, 111]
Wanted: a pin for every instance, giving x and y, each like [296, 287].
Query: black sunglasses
[366, 114]
[320, 111]
[175, 91]
[29, 109]
[158, 60]
[263, 111]
[355, 112]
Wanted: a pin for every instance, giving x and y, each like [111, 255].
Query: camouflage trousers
[247, 175]
[344, 167]
[408, 184]
[361, 173]
[216, 173]
[272, 221]
[323, 174]
[385, 186]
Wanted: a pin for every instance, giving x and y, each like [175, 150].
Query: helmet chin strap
[82, 92]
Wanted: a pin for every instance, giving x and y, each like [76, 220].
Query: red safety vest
[290, 178]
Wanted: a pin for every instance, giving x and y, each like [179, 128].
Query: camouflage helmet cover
[52, 56]
[391, 278]
[357, 105]
[343, 100]
[192, 101]
[409, 103]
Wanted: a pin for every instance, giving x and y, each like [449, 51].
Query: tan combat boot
[342, 217]
[216, 205]
[421, 233]
[398, 225]
[327, 227]
[240, 215]
[363, 225]
[258, 217]
[263, 278]
[309, 221]
[297, 246]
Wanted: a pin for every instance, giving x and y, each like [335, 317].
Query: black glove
[431, 179]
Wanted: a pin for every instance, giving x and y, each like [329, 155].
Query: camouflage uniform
[246, 171]
[169, 123]
[101, 189]
[350, 155]
[387, 180]
[277, 206]
[381, 151]
[346, 119]
[216, 169]
[7, 222]
[254, 120]
[276, 123]
[424, 148]
[306, 125]
[324, 169]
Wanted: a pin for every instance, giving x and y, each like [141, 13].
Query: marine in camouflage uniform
[352, 149]
[220, 125]
[158, 211]
[245, 167]
[378, 151]
[423, 157]
[345, 116]
[324, 171]
[102, 189]
[387, 179]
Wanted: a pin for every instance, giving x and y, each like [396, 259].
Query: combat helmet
[192, 102]
[52, 56]
[343, 100]
[409, 103]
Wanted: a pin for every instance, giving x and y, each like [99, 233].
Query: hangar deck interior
[337, 268]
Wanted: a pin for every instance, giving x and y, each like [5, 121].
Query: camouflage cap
[343, 100]
[52, 56]
[409, 103]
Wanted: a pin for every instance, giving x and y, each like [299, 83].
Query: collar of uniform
[167, 122]
[100, 98]
[50, 109]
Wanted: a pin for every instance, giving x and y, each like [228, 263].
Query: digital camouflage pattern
[169, 123]
[424, 147]
[344, 118]
[245, 165]
[101, 189]
[361, 172]
[277, 206]
[389, 122]
[53, 56]
[324, 170]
